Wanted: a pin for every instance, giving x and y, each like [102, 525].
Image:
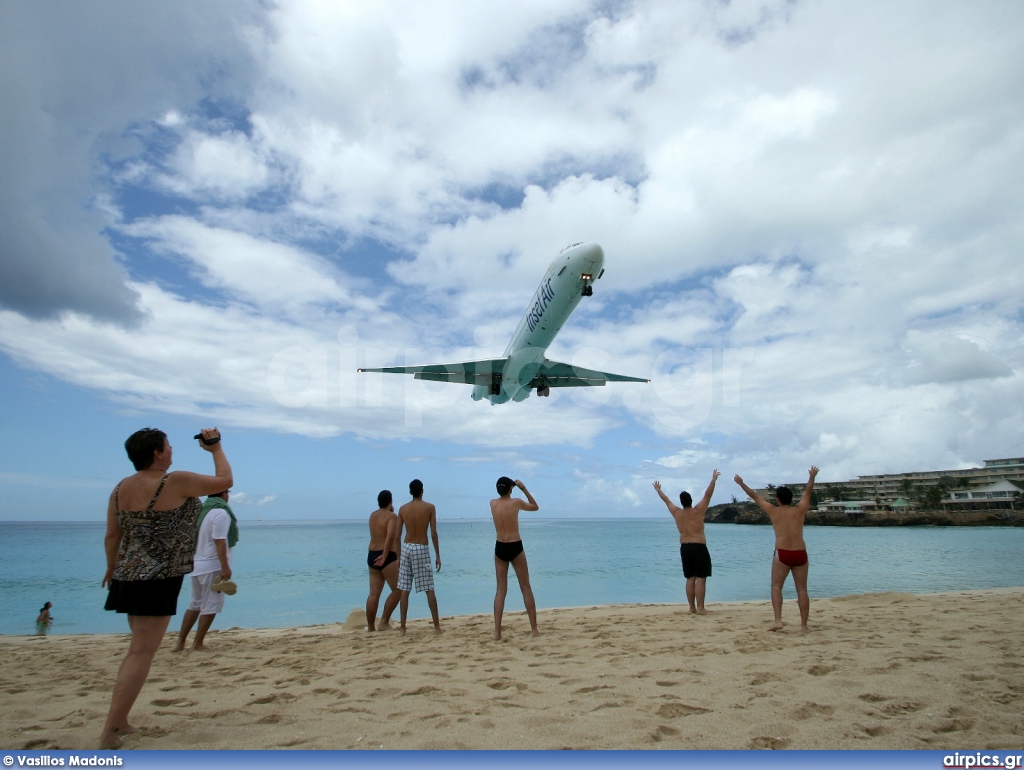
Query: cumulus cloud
[75, 81]
[810, 216]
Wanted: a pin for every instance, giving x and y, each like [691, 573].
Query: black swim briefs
[696, 560]
[507, 551]
[372, 556]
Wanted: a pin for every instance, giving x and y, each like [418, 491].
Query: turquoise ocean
[312, 572]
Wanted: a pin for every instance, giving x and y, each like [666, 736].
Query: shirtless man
[693, 546]
[508, 549]
[417, 516]
[382, 561]
[790, 549]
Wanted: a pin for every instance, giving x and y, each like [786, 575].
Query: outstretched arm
[763, 504]
[805, 498]
[663, 496]
[711, 489]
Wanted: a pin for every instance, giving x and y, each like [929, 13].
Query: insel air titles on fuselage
[523, 368]
[569, 278]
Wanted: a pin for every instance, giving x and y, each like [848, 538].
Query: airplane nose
[593, 255]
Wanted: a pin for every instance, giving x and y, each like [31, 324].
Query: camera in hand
[207, 441]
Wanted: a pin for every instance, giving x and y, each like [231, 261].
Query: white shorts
[205, 601]
[415, 564]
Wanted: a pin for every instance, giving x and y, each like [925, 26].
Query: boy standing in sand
[693, 545]
[508, 549]
[217, 535]
[382, 561]
[790, 549]
[417, 516]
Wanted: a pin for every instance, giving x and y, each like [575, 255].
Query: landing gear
[543, 391]
[588, 291]
[495, 389]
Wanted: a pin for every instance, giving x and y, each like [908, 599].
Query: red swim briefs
[791, 558]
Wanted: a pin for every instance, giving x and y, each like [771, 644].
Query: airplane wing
[468, 372]
[558, 375]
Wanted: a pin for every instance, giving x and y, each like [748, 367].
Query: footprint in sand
[283, 697]
[663, 731]
[595, 688]
[676, 710]
[767, 742]
[424, 690]
[41, 743]
[812, 710]
[901, 707]
[167, 702]
[873, 697]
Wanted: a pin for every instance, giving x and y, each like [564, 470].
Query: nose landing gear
[588, 288]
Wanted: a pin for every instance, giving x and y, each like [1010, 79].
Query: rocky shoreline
[749, 513]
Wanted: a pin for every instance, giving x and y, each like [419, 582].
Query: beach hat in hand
[223, 586]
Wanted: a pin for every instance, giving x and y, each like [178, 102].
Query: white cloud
[810, 216]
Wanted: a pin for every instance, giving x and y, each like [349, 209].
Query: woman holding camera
[151, 535]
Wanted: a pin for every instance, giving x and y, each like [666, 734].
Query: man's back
[416, 515]
[690, 523]
[379, 522]
[505, 512]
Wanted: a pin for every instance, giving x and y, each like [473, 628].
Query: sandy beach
[877, 671]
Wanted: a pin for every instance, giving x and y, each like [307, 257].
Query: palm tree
[933, 498]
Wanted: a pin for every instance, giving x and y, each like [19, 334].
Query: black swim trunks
[696, 560]
[507, 551]
[372, 556]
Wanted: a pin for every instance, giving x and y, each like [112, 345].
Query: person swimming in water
[45, 619]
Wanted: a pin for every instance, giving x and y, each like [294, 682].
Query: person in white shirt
[218, 533]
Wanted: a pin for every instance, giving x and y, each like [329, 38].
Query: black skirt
[145, 597]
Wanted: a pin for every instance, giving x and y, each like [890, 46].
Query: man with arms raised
[790, 549]
[508, 549]
[382, 561]
[693, 546]
[417, 516]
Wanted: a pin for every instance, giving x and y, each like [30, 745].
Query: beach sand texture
[877, 671]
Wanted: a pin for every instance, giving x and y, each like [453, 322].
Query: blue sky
[214, 213]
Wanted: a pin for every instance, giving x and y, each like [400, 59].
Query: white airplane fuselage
[569, 278]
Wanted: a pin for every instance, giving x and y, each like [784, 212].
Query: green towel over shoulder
[209, 505]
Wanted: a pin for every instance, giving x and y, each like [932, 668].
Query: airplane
[523, 367]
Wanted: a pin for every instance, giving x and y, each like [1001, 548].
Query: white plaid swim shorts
[416, 565]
